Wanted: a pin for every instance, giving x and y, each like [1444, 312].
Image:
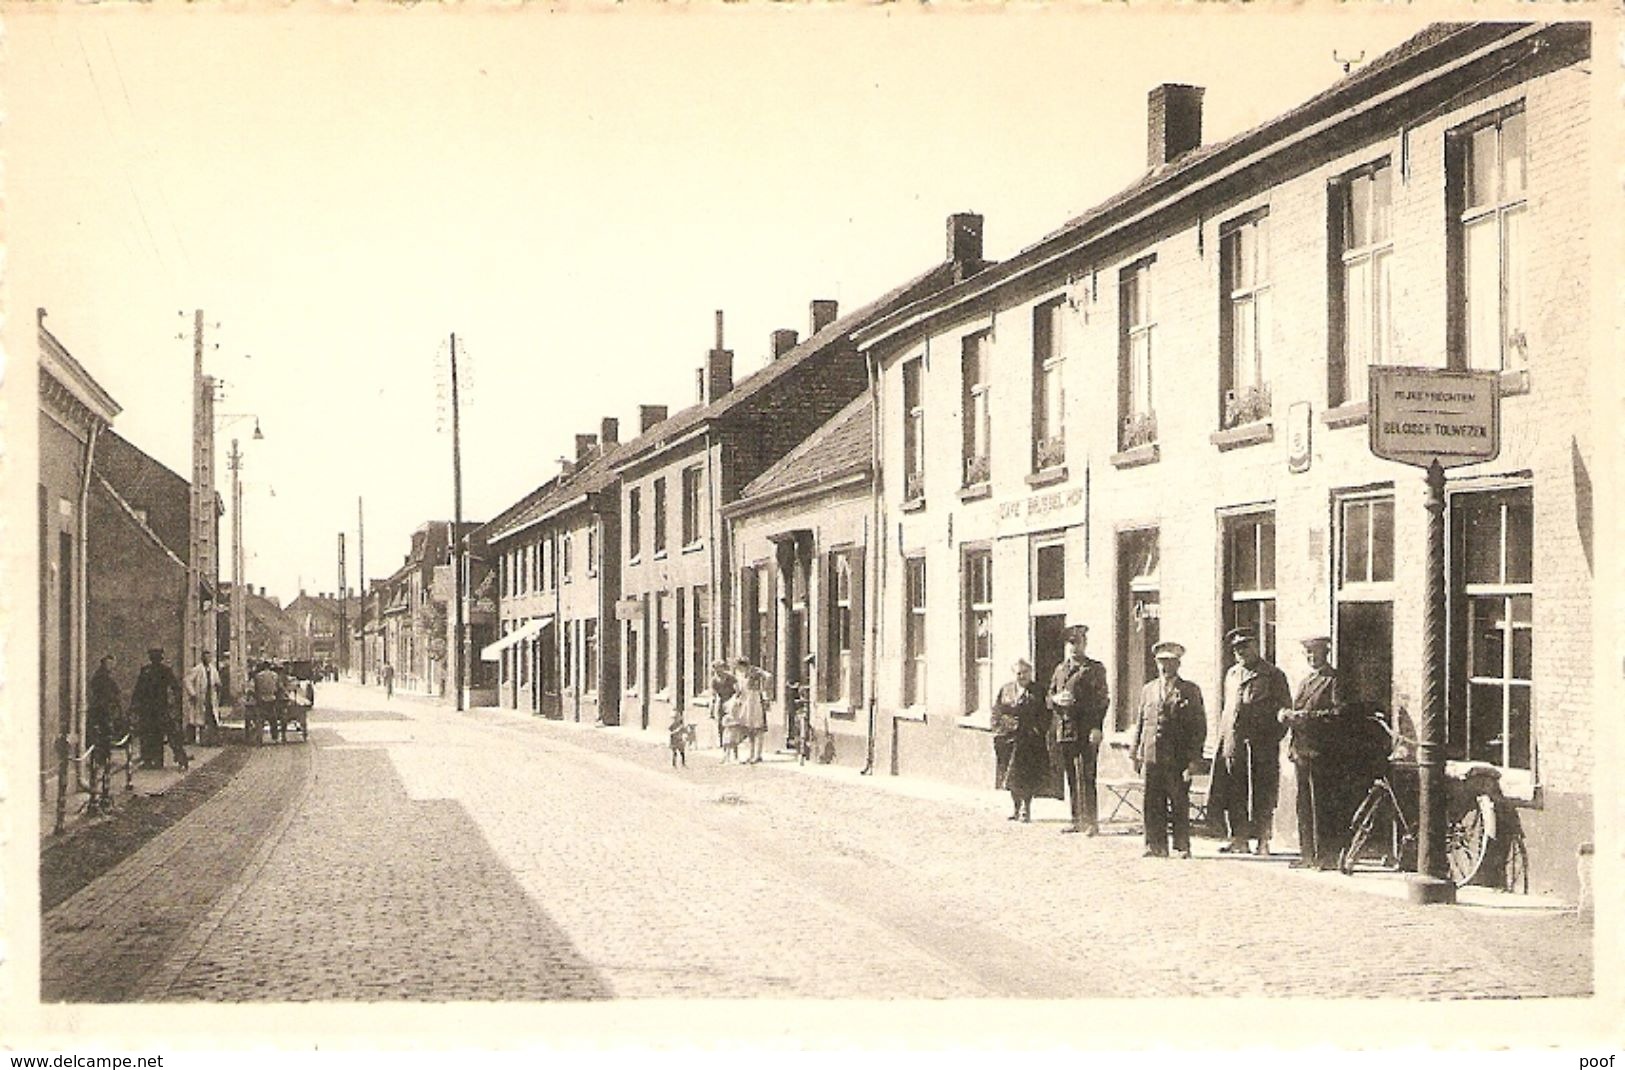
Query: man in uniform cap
[1168, 734]
[1078, 698]
[1318, 750]
[1247, 761]
[156, 702]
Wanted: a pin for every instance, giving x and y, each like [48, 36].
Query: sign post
[1433, 419]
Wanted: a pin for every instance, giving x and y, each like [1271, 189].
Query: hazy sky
[573, 194]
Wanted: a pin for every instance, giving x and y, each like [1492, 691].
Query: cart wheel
[1515, 876]
[1466, 841]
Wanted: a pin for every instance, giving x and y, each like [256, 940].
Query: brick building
[74, 412]
[1153, 421]
[799, 538]
[415, 616]
[557, 588]
[676, 599]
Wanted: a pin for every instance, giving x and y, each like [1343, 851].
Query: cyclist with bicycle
[102, 717]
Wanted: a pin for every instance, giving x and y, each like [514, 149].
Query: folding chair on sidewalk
[1125, 792]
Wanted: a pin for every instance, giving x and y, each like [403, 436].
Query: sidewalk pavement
[142, 782]
[1388, 884]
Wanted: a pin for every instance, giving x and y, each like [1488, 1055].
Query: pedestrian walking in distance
[1022, 722]
[1078, 697]
[1170, 726]
[1247, 761]
[679, 740]
[156, 703]
[1320, 753]
[389, 681]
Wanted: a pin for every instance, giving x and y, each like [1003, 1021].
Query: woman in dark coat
[1020, 712]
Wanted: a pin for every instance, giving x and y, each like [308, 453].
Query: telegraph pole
[341, 648]
[239, 622]
[456, 530]
[201, 555]
[361, 579]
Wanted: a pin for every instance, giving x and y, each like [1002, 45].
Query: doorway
[1139, 625]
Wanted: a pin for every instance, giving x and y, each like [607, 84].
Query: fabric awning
[518, 635]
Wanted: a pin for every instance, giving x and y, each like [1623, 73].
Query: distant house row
[1153, 421]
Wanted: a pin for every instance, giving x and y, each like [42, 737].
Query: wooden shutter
[768, 656]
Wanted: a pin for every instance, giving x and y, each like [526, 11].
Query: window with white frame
[914, 631]
[589, 655]
[592, 548]
[691, 505]
[660, 515]
[1361, 300]
[976, 351]
[1491, 716]
[1488, 190]
[1245, 322]
[1249, 589]
[1137, 424]
[699, 677]
[566, 554]
[914, 429]
[1049, 387]
[634, 523]
[838, 662]
[662, 654]
[1364, 628]
[978, 633]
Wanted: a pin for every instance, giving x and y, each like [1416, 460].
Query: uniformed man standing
[1169, 731]
[1318, 724]
[156, 704]
[1078, 698]
[1247, 761]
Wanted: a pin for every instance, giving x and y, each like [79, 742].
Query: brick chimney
[584, 445]
[649, 415]
[1173, 122]
[609, 431]
[965, 243]
[823, 313]
[783, 341]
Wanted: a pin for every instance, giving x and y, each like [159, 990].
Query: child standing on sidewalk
[679, 740]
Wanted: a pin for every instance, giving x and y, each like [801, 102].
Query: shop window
[1361, 330]
[914, 632]
[1365, 600]
[660, 515]
[1137, 424]
[691, 505]
[1486, 180]
[1492, 628]
[1249, 578]
[914, 430]
[979, 633]
[1244, 322]
[589, 656]
[1049, 387]
[634, 523]
[976, 351]
[1139, 622]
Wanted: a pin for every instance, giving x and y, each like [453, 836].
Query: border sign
[1423, 415]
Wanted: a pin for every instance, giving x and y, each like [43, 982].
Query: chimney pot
[784, 340]
[649, 415]
[609, 431]
[823, 313]
[719, 329]
[965, 242]
[1173, 122]
[716, 378]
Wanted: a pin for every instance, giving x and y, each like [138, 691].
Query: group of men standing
[1259, 709]
[166, 710]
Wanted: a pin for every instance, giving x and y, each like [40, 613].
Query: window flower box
[1051, 452]
[977, 470]
[1139, 429]
[1248, 405]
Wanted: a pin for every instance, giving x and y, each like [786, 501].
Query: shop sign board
[1422, 415]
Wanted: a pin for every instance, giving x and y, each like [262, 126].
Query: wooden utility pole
[456, 530]
[361, 580]
[201, 554]
[239, 610]
[341, 647]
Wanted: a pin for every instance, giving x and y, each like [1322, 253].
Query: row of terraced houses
[1153, 421]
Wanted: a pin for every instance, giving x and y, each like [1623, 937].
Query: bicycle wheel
[1364, 822]
[1515, 875]
[1466, 840]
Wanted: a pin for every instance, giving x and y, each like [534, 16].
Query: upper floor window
[634, 524]
[565, 556]
[592, 550]
[975, 363]
[1138, 418]
[660, 515]
[1361, 327]
[1487, 187]
[1049, 389]
[914, 429]
[1244, 326]
[691, 505]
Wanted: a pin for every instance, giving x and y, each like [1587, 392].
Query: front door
[547, 673]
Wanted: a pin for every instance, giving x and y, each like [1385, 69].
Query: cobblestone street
[418, 853]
